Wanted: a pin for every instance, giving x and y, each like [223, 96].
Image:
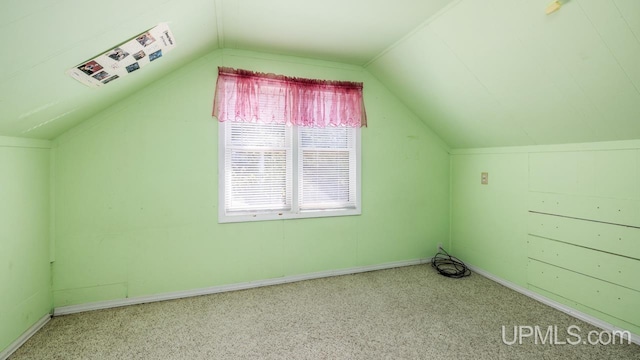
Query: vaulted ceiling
[501, 72]
[479, 73]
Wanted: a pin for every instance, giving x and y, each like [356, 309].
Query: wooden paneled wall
[584, 230]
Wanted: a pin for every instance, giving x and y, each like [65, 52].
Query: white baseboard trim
[635, 338]
[71, 309]
[24, 337]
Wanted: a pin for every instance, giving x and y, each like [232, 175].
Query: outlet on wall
[439, 247]
[484, 178]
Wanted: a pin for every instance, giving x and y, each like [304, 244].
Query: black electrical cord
[449, 266]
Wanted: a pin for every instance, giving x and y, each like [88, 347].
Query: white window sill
[305, 214]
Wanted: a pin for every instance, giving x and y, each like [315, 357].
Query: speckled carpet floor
[403, 313]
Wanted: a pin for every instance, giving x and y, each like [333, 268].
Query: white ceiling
[479, 73]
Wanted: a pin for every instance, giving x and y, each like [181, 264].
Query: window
[275, 171]
[278, 159]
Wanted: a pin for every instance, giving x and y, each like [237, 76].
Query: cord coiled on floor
[449, 266]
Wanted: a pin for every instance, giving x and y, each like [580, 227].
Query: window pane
[327, 168]
[325, 180]
[258, 181]
[257, 135]
[326, 138]
[258, 167]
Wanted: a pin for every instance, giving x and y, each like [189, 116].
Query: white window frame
[295, 212]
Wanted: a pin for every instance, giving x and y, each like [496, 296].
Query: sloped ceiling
[501, 72]
[41, 39]
[479, 73]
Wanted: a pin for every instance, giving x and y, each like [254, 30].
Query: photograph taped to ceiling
[90, 67]
[155, 55]
[101, 75]
[110, 79]
[146, 39]
[118, 54]
[139, 55]
[116, 62]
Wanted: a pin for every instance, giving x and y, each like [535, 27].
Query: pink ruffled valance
[248, 96]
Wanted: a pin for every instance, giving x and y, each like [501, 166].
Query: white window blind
[275, 171]
[326, 168]
[258, 167]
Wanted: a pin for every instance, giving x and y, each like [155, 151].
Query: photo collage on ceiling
[125, 58]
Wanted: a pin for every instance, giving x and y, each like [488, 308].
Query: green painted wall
[25, 277]
[136, 193]
[488, 222]
[563, 221]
